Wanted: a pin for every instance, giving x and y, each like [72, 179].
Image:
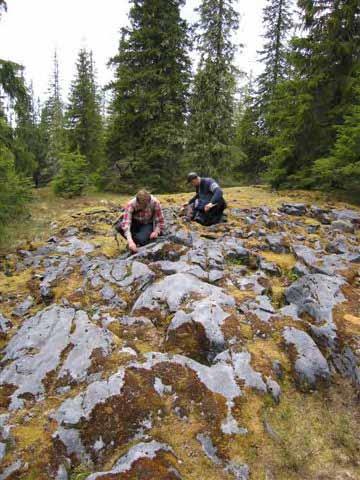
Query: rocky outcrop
[180, 361]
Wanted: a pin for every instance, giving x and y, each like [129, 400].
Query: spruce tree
[211, 126]
[310, 106]
[342, 168]
[277, 19]
[52, 119]
[83, 118]
[146, 133]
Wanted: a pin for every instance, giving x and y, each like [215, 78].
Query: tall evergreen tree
[342, 168]
[52, 119]
[26, 136]
[83, 117]
[146, 136]
[278, 22]
[211, 126]
[310, 106]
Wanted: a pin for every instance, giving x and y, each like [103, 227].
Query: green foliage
[83, 119]
[342, 168]
[72, 177]
[146, 132]
[52, 128]
[211, 128]
[14, 190]
[309, 109]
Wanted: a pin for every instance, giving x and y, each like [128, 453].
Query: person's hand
[132, 246]
[208, 206]
[154, 235]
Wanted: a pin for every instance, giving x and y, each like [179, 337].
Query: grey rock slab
[9, 471]
[275, 243]
[170, 268]
[175, 289]
[72, 245]
[140, 275]
[70, 437]
[311, 367]
[208, 314]
[23, 308]
[260, 306]
[249, 282]
[218, 378]
[234, 249]
[241, 362]
[35, 350]
[72, 410]
[349, 215]
[297, 209]
[142, 450]
[86, 339]
[5, 324]
[38, 346]
[274, 389]
[316, 294]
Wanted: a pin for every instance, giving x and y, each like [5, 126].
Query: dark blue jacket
[208, 192]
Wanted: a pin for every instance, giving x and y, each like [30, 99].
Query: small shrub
[72, 178]
[15, 191]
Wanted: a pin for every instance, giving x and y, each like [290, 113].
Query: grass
[47, 208]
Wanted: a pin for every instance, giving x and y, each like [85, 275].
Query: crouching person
[208, 205]
[142, 220]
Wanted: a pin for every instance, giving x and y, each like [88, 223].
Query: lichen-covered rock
[198, 334]
[168, 294]
[144, 460]
[316, 294]
[5, 324]
[310, 367]
[297, 209]
[36, 351]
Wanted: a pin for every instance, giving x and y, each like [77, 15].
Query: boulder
[38, 347]
[168, 294]
[310, 367]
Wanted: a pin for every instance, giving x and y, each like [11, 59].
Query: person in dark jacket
[208, 205]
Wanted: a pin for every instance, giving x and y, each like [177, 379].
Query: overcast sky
[32, 29]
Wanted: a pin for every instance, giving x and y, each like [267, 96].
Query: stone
[276, 243]
[127, 463]
[170, 268]
[297, 209]
[72, 245]
[173, 290]
[23, 308]
[9, 471]
[240, 361]
[260, 306]
[87, 339]
[316, 294]
[184, 329]
[274, 389]
[343, 225]
[37, 348]
[310, 366]
[5, 324]
[347, 215]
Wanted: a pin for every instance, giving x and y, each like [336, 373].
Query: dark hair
[192, 176]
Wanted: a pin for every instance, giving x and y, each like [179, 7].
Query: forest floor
[46, 208]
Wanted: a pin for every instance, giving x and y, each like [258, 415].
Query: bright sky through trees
[31, 30]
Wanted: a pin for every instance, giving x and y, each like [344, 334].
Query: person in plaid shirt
[142, 220]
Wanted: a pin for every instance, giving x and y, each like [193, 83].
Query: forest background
[295, 125]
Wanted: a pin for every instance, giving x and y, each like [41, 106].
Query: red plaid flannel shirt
[151, 213]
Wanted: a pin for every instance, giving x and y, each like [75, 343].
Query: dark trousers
[140, 232]
[211, 217]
